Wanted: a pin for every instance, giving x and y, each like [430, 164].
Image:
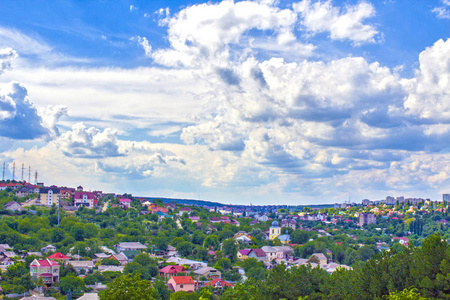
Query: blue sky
[248, 101]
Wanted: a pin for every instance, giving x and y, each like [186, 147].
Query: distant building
[390, 200]
[365, 202]
[85, 199]
[367, 218]
[446, 197]
[50, 195]
[275, 230]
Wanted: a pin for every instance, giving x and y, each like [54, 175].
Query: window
[181, 286]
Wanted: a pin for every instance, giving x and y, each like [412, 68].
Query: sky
[262, 102]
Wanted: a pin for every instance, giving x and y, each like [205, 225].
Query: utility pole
[14, 170]
[22, 170]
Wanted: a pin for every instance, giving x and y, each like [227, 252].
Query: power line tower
[14, 170]
[29, 174]
[35, 177]
[22, 170]
[4, 171]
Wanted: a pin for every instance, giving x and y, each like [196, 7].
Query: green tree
[73, 284]
[129, 287]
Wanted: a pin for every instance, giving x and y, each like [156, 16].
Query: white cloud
[442, 12]
[89, 142]
[342, 24]
[145, 45]
[429, 90]
[19, 118]
[199, 34]
[7, 55]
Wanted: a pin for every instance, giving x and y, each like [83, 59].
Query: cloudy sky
[261, 102]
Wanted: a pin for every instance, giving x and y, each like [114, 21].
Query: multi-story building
[50, 195]
[367, 218]
[86, 199]
[46, 269]
[446, 197]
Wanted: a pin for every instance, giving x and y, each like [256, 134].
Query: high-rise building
[367, 218]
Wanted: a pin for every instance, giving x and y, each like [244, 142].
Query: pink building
[47, 269]
[170, 271]
[125, 202]
[181, 283]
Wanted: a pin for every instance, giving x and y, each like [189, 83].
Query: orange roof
[183, 279]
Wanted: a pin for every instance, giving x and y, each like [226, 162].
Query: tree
[211, 241]
[72, 283]
[161, 287]
[230, 248]
[185, 248]
[223, 264]
[129, 287]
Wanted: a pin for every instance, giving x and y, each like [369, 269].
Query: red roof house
[181, 283]
[219, 283]
[170, 271]
[59, 256]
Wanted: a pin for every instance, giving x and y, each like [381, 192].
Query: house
[59, 257]
[85, 199]
[219, 284]
[262, 218]
[181, 283]
[67, 193]
[258, 254]
[125, 202]
[289, 223]
[171, 270]
[128, 246]
[49, 195]
[102, 269]
[402, 240]
[13, 206]
[194, 219]
[215, 220]
[192, 264]
[48, 248]
[184, 210]
[47, 269]
[208, 272]
[235, 222]
[80, 265]
[318, 258]
[120, 257]
[243, 254]
[161, 209]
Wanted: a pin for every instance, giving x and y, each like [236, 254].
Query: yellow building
[275, 230]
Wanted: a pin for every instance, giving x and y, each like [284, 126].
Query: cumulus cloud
[429, 90]
[342, 24]
[19, 118]
[89, 142]
[201, 33]
[7, 55]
